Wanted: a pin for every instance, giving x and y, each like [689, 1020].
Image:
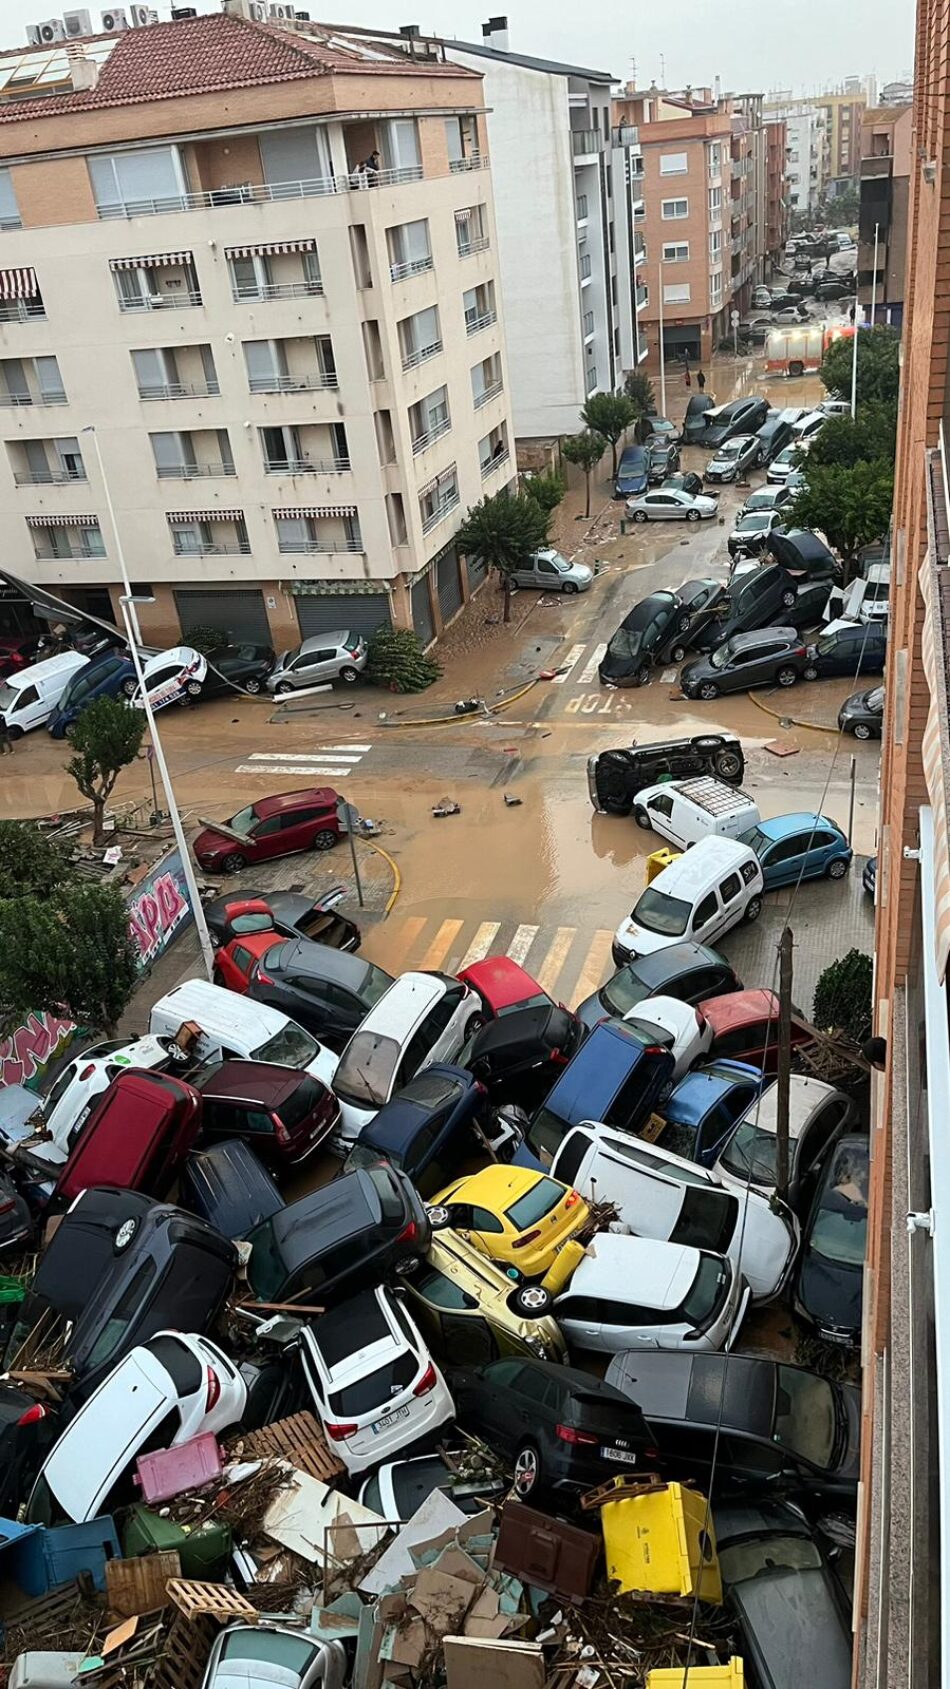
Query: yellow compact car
[516, 1216]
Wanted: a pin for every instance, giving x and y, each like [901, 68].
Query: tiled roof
[213, 52]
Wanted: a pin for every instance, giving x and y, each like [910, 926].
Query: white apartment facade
[294, 367]
[804, 158]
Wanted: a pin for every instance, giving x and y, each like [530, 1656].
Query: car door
[708, 919]
[809, 1152]
[264, 840]
[783, 862]
[764, 662]
[234, 964]
[660, 810]
[819, 852]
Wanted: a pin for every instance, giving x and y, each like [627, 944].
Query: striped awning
[932, 757]
[464, 216]
[437, 480]
[151, 261]
[301, 512]
[19, 284]
[270, 249]
[62, 521]
[335, 589]
[206, 516]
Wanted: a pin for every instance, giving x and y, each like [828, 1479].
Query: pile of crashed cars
[784, 583]
[505, 1310]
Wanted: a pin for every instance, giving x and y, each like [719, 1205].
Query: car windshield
[755, 839]
[723, 657]
[753, 520]
[805, 1416]
[375, 1389]
[732, 448]
[8, 696]
[302, 1102]
[875, 700]
[243, 821]
[751, 1153]
[662, 914]
[266, 1271]
[623, 992]
[768, 1555]
[365, 1074]
[535, 1204]
[374, 982]
[626, 642]
[839, 1231]
[704, 1292]
[827, 642]
[290, 1047]
[268, 1647]
[545, 1133]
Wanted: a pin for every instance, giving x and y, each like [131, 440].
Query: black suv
[340, 1239]
[615, 777]
[757, 599]
[740, 416]
[563, 1429]
[772, 656]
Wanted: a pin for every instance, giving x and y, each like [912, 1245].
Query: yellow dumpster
[661, 1543]
[658, 860]
[729, 1676]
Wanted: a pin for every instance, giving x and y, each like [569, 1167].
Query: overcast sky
[753, 45]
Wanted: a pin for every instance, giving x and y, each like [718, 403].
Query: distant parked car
[694, 422]
[237, 668]
[668, 504]
[269, 1653]
[863, 714]
[226, 1185]
[661, 425]
[271, 827]
[327, 991]
[633, 472]
[752, 532]
[550, 572]
[615, 1077]
[503, 986]
[518, 1057]
[744, 1025]
[176, 676]
[869, 877]
[804, 554]
[797, 847]
[514, 1215]
[776, 432]
[664, 459]
[698, 896]
[828, 1293]
[791, 314]
[764, 498]
[848, 648]
[469, 1308]
[629, 658]
[833, 290]
[421, 1018]
[733, 458]
[758, 599]
[686, 481]
[137, 1135]
[326, 657]
[702, 602]
[637, 1293]
[773, 656]
[110, 675]
[787, 459]
[739, 416]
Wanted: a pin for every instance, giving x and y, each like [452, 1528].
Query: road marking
[550, 969]
[480, 945]
[590, 669]
[573, 657]
[321, 754]
[333, 762]
[411, 928]
[521, 944]
[595, 966]
[437, 951]
[336, 771]
[667, 677]
[347, 747]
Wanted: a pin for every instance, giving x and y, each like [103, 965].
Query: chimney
[495, 33]
[411, 31]
[83, 72]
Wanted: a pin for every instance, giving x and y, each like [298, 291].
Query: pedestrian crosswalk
[333, 762]
[579, 664]
[568, 962]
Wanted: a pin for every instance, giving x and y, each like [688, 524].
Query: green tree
[397, 661]
[105, 738]
[641, 392]
[852, 506]
[872, 435]
[30, 863]
[68, 954]
[878, 367]
[843, 996]
[586, 450]
[203, 637]
[610, 414]
[503, 532]
[546, 490]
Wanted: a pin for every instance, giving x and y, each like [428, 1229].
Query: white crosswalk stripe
[569, 963]
[329, 761]
[589, 671]
[568, 663]
[481, 944]
[521, 944]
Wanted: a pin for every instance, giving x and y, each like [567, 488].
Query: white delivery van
[685, 811]
[694, 901]
[28, 698]
[232, 1026]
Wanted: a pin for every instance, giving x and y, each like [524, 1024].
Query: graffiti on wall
[27, 1052]
[159, 909]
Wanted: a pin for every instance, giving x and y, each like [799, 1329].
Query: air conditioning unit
[44, 34]
[139, 16]
[281, 11]
[257, 11]
[114, 20]
[77, 23]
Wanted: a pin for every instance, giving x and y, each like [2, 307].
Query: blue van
[703, 1110]
[633, 472]
[105, 677]
[616, 1077]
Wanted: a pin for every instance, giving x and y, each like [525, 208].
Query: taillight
[572, 1198]
[336, 1433]
[426, 1382]
[568, 1434]
[87, 1072]
[33, 1415]
[357, 653]
[8, 1206]
[801, 651]
[213, 1384]
[481, 1089]
[280, 1131]
[526, 1237]
[262, 977]
[651, 1454]
[654, 1050]
[408, 1233]
[558, 1057]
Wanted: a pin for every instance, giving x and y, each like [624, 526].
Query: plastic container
[39, 1560]
[729, 1676]
[170, 1472]
[44, 1670]
[662, 1544]
[204, 1553]
[660, 859]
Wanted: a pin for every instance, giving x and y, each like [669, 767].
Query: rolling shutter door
[449, 584]
[422, 611]
[236, 615]
[353, 612]
[477, 570]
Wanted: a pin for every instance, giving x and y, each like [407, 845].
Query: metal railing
[180, 390]
[54, 398]
[21, 310]
[319, 383]
[306, 466]
[436, 432]
[466, 248]
[412, 267]
[447, 504]
[47, 477]
[234, 548]
[472, 161]
[161, 301]
[494, 463]
[311, 548]
[193, 471]
[625, 135]
[411, 360]
[489, 392]
[255, 292]
[484, 320]
[586, 140]
[642, 296]
[47, 554]
[259, 193]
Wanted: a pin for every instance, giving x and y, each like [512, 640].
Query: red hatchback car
[234, 963]
[276, 826]
[136, 1137]
[503, 986]
[745, 1028]
[280, 1112]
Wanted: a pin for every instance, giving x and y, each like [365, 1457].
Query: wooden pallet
[195, 1600]
[139, 1585]
[74, 1608]
[185, 1653]
[300, 1441]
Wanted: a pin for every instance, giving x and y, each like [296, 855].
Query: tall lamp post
[132, 629]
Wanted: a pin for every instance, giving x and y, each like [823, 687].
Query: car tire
[728, 766]
[810, 673]
[129, 687]
[837, 869]
[324, 840]
[193, 689]
[787, 677]
[683, 623]
[788, 599]
[349, 675]
[692, 515]
[439, 1217]
[643, 674]
[678, 653]
[614, 806]
[282, 690]
[252, 686]
[641, 817]
[639, 516]
[527, 1478]
[861, 730]
[234, 863]
[569, 588]
[531, 1301]
[753, 910]
[708, 691]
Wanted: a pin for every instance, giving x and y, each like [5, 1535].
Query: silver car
[732, 458]
[671, 504]
[339, 655]
[551, 572]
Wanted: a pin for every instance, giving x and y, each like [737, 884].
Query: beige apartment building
[260, 261]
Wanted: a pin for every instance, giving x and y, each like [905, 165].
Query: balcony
[468, 247]
[474, 324]
[412, 360]
[45, 553]
[414, 267]
[48, 477]
[315, 548]
[450, 502]
[473, 161]
[494, 463]
[193, 471]
[258, 293]
[642, 297]
[626, 135]
[179, 390]
[161, 301]
[230, 548]
[267, 193]
[585, 142]
[21, 310]
[306, 466]
[55, 397]
[487, 393]
[318, 383]
[423, 441]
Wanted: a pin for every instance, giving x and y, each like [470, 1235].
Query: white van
[695, 900]
[28, 698]
[233, 1026]
[685, 811]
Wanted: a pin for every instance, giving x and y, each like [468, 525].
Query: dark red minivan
[136, 1137]
[282, 1112]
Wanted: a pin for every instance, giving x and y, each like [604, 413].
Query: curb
[457, 720]
[397, 877]
[782, 715]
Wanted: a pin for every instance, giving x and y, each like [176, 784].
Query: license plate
[390, 1419]
[618, 1454]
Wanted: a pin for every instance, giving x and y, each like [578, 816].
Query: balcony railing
[474, 161]
[494, 463]
[466, 248]
[626, 135]
[46, 554]
[585, 140]
[262, 193]
[193, 471]
[413, 267]
[432, 434]
[47, 477]
[180, 390]
[642, 296]
[161, 301]
[412, 360]
[306, 466]
[21, 310]
[231, 548]
[54, 397]
[255, 292]
[318, 383]
[312, 548]
[490, 392]
[450, 502]
[483, 320]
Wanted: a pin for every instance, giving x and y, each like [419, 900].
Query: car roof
[403, 1004]
[700, 1090]
[658, 1274]
[760, 636]
[700, 1388]
[659, 966]
[595, 1072]
[805, 1096]
[519, 1025]
[730, 1013]
[319, 641]
[643, 613]
[402, 1117]
[501, 980]
[132, 1397]
[250, 1081]
[632, 454]
[219, 1012]
[321, 796]
[326, 1217]
[345, 1332]
[321, 961]
[783, 826]
[495, 1186]
[690, 873]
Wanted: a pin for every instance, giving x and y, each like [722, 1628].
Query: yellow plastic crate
[658, 860]
[662, 1544]
[729, 1676]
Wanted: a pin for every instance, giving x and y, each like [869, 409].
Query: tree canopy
[871, 435]
[850, 505]
[503, 532]
[30, 863]
[105, 738]
[610, 414]
[69, 954]
[586, 450]
[878, 366]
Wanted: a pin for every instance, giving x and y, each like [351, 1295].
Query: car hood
[210, 839]
[702, 669]
[769, 1245]
[791, 1624]
[857, 705]
[716, 434]
[579, 572]
[611, 665]
[641, 941]
[830, 1292]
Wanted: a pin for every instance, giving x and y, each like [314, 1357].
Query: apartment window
[673, 164]
[581, 207]
[305, 533]
[400, 144]
[131, 184]
[493, 451]
[715, 289]
[461, 140]
[166, 282]
[420, 337]
[296, 155]
[585, 265]
[715, 243]
[256, 275]
[470, 231]
[486, 380]
[160, 372]
[478, 304]
[714, 159]
[592, 379]
[409, 250]
[429, 419]
[9, 210]
[438, 498]
[676, 252]
[671, 209]
[715, 202]
[588, 324]
[68, 536]
[676, 293]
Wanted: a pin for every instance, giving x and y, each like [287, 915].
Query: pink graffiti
[155, 914]
[27, 1051]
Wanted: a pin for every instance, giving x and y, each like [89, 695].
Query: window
[434, 1287]
[705, 911]
[715, 202]
[676, 293]
[676, 252]
[461, 140]
[149, 180]
[409, 249]
[673, 164]
[581, 207]
[672, 209]
[715, 244]
[9, 210]
[588, 323]
[714, 159]
[730, 888]
[592, 380]
[715, 288]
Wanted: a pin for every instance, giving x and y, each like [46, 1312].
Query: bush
[546, 490]
[843, 996]
[397, 661]
[203, 638]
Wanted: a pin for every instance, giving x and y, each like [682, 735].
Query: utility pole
[784, 1076]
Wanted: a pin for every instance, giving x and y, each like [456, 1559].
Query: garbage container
[658, 860]
[662, 1543]
[729, 1676]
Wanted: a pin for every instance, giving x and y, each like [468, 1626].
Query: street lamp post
[130, 618]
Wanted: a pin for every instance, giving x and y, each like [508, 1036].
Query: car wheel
[708, 691]
[324, 840]
[129, 687]
[728, 766]
[569, 588]
[861, 730]
[787, 677]
[643, 674]
[282, 690]
[527, 1471]
[439, 1217]
[617, 806]
[753, 909]
[639, 516]
[641, 817]
[788, 599]
[692, 515]
[193, 689]
[837, 869]
[252, 686]
[531, 1300]
[678, 653]
[810, 673]
[349, 674]
[234, 863]
[683, 623]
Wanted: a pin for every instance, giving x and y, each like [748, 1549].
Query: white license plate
[618, 1454]
[390, 1419]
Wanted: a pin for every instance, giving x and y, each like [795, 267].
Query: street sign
[348, 815]
[734, 318]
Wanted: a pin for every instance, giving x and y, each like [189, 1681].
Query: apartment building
[884, 187]
[842, 113]
[686, 147]
[747, 205]
[261, 261]
[776, 203]
[903, 1548]
[804, 149]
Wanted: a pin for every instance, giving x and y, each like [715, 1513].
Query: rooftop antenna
[633, 73]
[662, 71]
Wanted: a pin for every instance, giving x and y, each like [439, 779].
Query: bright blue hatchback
[703, 1110]
[793, 847]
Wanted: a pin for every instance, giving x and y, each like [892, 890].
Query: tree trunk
[613, 458]
[587, 479]
[98, 819]
[506, 582]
